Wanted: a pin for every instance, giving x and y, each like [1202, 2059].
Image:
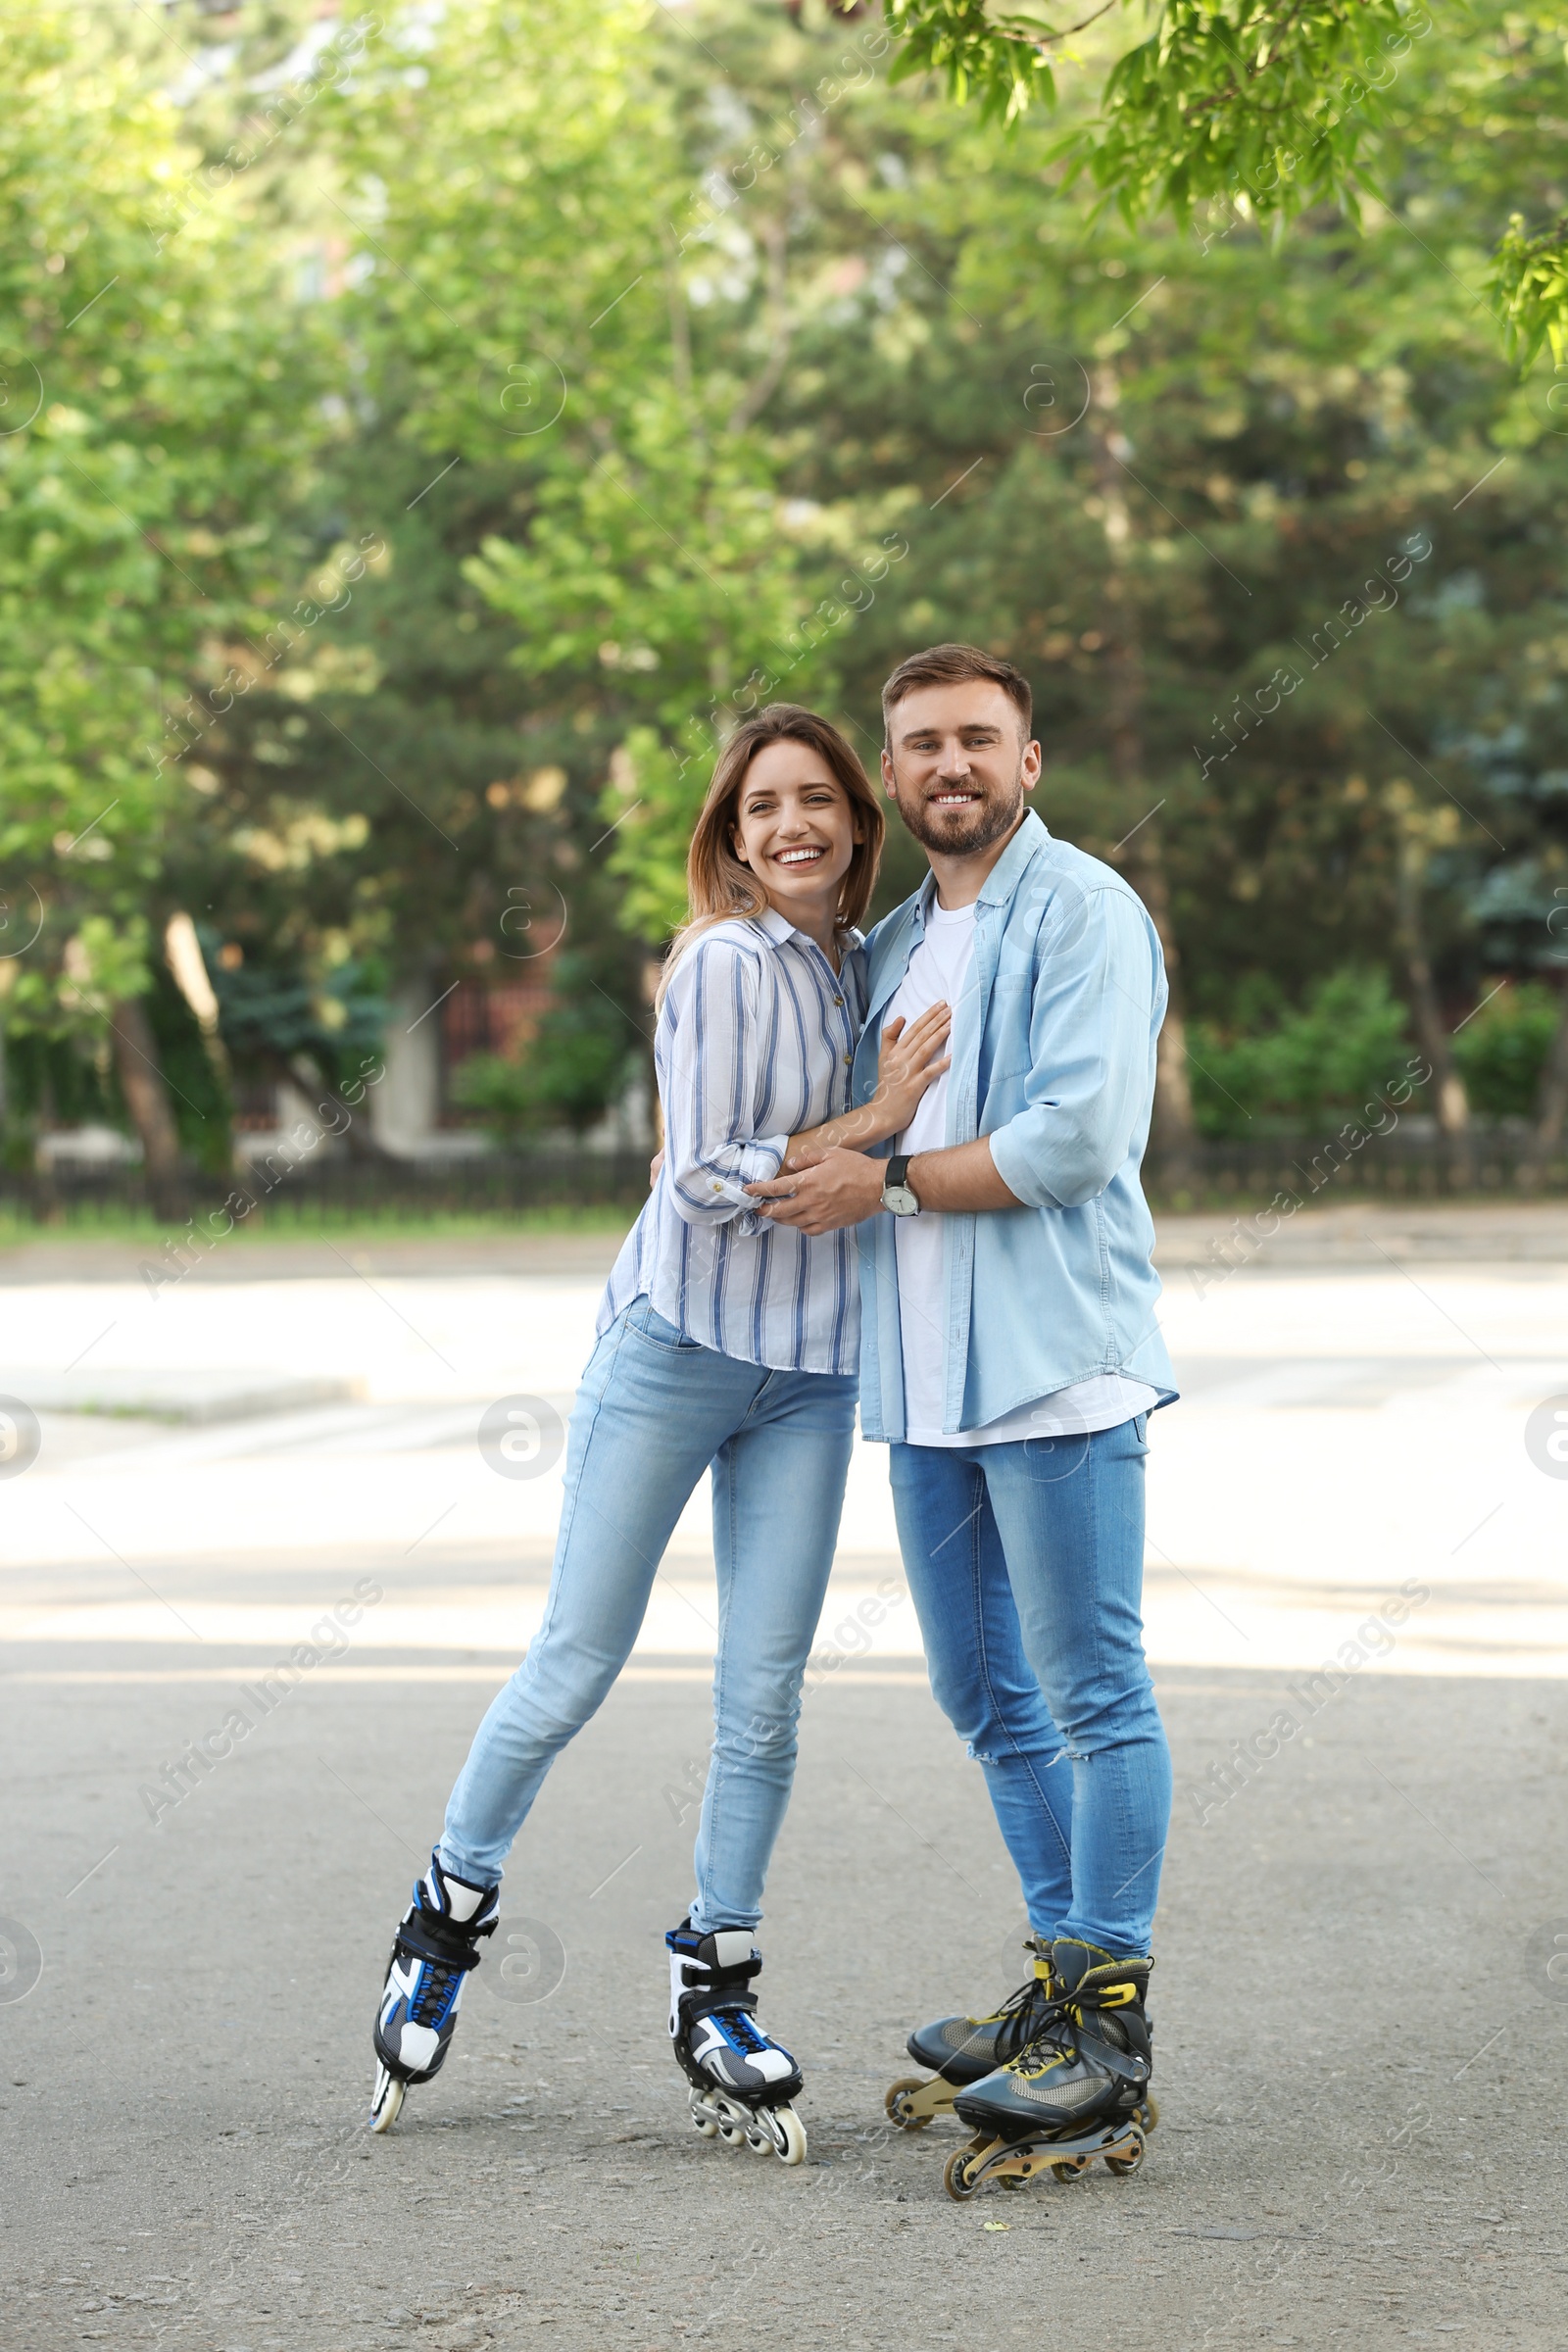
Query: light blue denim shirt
[1054, 1059]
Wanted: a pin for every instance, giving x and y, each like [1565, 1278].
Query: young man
[1010, 1357]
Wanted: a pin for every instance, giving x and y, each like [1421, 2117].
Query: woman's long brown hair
[718, 885]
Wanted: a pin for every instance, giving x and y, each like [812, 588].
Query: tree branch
[752, 400]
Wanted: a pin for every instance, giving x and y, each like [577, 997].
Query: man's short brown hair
[948, 665]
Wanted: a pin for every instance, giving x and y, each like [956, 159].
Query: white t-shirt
[939, 969]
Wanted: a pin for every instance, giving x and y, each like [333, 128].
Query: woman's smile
[795, 828]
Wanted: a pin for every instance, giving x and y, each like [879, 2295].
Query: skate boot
[742, 2081]
[964, 2049]
[1079, 2091]
[437, 1943]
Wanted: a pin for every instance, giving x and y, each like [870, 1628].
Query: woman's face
[797, 831]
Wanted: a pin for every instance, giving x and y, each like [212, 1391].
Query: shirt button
[718, 1188]
[848, 1062]
[838, 1000]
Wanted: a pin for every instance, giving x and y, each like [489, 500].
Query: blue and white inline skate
[437, 1943]
[742, 2081]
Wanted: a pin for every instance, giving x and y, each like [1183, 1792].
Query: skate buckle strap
[733, 1947]
[429, 1937]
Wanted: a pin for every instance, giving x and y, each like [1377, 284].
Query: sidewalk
[1347, 1232]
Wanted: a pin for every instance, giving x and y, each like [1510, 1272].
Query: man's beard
[961, 833]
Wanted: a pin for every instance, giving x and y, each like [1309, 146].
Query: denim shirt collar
[1004, 876]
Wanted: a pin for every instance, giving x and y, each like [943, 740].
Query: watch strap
[898, 1171]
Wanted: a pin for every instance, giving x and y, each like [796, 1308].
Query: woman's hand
[907, 1065]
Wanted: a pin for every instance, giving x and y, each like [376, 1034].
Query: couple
[985, 1291]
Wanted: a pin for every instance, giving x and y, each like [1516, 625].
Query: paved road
[1360, 2033]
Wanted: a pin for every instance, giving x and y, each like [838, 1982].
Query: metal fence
[1489, 1163]
[335, 1190]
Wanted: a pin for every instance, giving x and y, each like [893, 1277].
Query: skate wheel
[1070, 2171]
[385, 2101]
[1131, 2158]
[702, 2123]
[761, 2142]
[897, 2104]
[732, 2134]
[1147, 2115]
[956, 2177]
[792, 2132]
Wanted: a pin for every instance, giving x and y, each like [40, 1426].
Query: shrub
[568, 1075]
[1313, 1065]
[1501, 1049]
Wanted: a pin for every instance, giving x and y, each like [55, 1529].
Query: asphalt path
[1360, 1997]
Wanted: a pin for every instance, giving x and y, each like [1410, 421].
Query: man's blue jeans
[653, 1410]
[1026, 1565]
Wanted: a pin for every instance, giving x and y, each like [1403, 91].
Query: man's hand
[840, 1188]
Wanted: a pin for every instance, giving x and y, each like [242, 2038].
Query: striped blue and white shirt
[755, 1039]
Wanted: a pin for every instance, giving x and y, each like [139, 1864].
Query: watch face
[901, 1200]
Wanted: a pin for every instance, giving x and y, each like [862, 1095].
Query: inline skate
[437, 1943]
[964, 2049]
[742, 2081]
[1078, 2092]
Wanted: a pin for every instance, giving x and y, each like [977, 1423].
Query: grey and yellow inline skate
[961, 2050]
[1077, 2094]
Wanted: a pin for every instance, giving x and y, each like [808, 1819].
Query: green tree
[154, 385]
[1278, 106]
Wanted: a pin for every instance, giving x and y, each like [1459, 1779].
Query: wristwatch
[896, 1195]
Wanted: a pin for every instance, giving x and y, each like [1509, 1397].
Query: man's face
[957, 765]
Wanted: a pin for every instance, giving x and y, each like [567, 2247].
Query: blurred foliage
[1502, 1048]
[1303, 1069]
[447, 425]
[572, 1070]
[270, 1017]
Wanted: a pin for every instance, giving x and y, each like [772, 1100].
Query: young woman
[725, 1341]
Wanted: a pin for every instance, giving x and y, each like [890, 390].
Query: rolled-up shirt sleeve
[718, 1031]
[1098, 1003]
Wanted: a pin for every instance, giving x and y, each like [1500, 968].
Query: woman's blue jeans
[653, 1410]
[1026, 1564]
